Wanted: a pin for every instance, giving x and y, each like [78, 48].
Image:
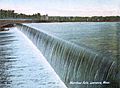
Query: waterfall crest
[74, 64]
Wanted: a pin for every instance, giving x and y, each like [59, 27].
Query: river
[23, 65]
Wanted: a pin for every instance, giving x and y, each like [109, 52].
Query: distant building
[45, 17]
[98, 19]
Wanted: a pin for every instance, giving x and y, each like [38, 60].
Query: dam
[83, 55]
[79, 52]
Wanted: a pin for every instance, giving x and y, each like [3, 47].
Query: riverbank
[10, 22]
[6, 23]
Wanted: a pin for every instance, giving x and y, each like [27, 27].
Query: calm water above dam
[101, 37]
[22, 65]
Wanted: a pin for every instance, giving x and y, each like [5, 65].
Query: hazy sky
[64, 7]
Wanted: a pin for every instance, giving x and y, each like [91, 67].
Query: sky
[64, 7]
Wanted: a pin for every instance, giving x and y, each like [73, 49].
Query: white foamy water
[27, 68]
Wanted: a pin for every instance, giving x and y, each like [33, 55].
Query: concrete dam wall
[77, 66]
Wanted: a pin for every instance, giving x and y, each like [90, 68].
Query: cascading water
[77, 66]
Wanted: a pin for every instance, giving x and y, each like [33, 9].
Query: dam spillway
[74, 57]
[22, 65]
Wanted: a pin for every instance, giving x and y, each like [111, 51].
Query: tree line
[5, 14]
[10, 14]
